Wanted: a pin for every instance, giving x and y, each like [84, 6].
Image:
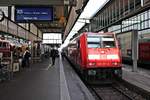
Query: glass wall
[140, 22]
[137, 22]
[115, 11]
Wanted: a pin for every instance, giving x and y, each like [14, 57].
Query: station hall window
[52, 38]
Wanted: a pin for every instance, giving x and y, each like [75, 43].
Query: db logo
[19, 12]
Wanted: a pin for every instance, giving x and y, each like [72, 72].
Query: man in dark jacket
[53, 55]
[26, 56]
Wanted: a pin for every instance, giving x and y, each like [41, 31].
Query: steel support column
[134, 50]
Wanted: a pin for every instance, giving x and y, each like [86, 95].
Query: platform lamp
[86, 21]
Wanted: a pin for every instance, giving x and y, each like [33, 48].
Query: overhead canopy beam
[51, 30]
[50, 27]
[34, 2]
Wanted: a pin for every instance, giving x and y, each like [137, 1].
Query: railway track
[115, 92]
[109, 93]
[119, 90]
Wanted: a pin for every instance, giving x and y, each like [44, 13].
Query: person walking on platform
[20, 56]
[26, 58]
[53, 55]
[63, 55]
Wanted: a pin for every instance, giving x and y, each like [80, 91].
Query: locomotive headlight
[93, 57]
[112, 57]
[92, 63]
[115, 63]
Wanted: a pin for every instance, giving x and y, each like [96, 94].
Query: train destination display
[29, 14]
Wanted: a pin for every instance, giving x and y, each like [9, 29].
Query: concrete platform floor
[141, 78]
[34, 83]
[45, 82]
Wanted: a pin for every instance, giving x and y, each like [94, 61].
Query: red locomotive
[95, 55]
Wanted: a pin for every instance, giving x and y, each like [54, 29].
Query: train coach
[143, 48]
[96, 56]
[5, 48]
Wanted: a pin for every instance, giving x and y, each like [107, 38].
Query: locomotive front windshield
[101, 41]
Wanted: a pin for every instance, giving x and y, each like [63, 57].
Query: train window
[108, 42]
[93, 45]
[93, 39]
[4, 45]
[94, 42]
[101, 41]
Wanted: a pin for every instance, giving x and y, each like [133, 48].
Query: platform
[59, 82]
[45, 82]
[141, 78]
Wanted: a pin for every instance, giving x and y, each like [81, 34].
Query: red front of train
[96, 55]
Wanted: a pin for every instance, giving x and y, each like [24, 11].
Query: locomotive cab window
[93, 42]
[108, 42]
[100, 41]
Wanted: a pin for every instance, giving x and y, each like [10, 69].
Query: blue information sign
[23, 14]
